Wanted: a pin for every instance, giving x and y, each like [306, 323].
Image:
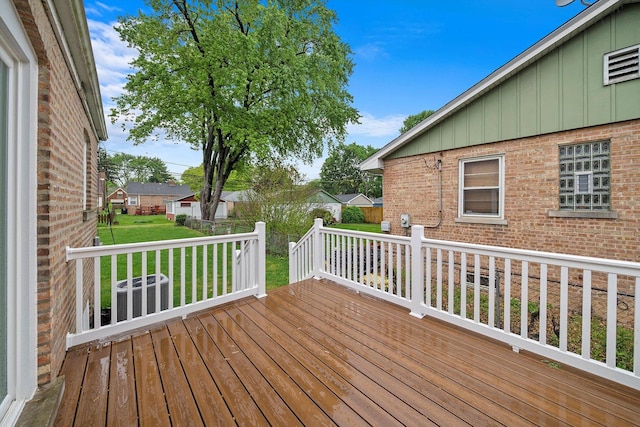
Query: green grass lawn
[369, 228]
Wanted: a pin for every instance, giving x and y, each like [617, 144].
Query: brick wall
[63, 132]
[531, 191]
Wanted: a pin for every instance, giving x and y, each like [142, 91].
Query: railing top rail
[588, 263]
[367, 235]
[302, 239]
[93, 251]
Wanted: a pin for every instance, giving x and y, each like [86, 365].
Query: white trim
[474, 217]
[17, 53]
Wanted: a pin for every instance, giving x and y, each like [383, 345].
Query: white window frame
[464, 217]
[132, 200]
[22, 323]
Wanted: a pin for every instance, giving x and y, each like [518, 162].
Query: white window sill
[583, 214]
[480, 220]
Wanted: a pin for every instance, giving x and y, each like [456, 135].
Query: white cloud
[386, 126]
[370, 51]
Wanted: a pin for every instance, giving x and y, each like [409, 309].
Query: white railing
[119, 287]
[573, 310]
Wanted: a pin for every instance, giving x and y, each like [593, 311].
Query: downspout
[437, 165]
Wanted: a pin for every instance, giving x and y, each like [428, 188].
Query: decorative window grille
[585, 176]
[622, 65]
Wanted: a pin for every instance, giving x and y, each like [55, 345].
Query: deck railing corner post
[317, 246]
[417, 273]
[293, 271]
[262, 259]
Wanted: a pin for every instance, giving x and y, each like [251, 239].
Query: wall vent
[622, 65]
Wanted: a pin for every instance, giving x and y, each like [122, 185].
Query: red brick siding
[63, 131]
[531, 191]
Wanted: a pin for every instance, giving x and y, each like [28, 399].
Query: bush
[327, 218]
[181, 219]
[352, 215]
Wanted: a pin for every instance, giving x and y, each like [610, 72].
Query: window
[185, 204]
[133, 200]
[481, 189]
[584, 176]
[622, 65]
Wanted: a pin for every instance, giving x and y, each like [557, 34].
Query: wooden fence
[372, 215]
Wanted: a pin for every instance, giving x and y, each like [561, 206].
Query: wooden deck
[315, 353]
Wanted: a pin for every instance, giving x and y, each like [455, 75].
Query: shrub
[327, 218]
[352, 215]
[181, 219]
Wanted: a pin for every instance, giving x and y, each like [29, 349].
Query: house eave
[70, 23]
[577, 24]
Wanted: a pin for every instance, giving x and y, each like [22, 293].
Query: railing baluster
[476, 288]
[129, 286]
[143, 285]
[427, 277]
[636, 329]
[439, 279]
[171, 276]
[507, 295]
[215, 269]
[158, 282]
[205, 272]
[451, 283]
[564, 307]
[463, 285]
[194, 274]
[182, 277]
[79, 296]
[586, 314]
[612, 304]
[542, 319]
[524, 300]
[113, 290]
[225, 255]
[492, 292]
[97, 303]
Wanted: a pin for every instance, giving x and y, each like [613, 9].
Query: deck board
[315, 353]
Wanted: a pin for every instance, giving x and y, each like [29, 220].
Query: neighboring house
[152, 197]
[51, 120]
[117, 198]
[542, 154]
[188, 205]
[357, 199]
[233, 197]
[323, 200]
[377, 202]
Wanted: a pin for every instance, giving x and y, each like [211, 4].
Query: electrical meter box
[385, 226]
[404, 221]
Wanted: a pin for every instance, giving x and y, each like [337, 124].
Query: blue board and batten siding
[563, 90]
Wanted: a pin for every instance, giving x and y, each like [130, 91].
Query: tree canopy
[121, 168]
[414, 119]
[341, 174]
[240, 80]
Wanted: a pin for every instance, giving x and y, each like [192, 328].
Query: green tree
[279, 198]
[124, 168]
[193, 177]
[414, 119]
[341, 173]
[240, 80]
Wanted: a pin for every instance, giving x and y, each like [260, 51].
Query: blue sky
[410, 56]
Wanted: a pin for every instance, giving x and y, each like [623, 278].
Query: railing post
[262, 259]
[417, 273]
[317, 247]
[293, 265]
